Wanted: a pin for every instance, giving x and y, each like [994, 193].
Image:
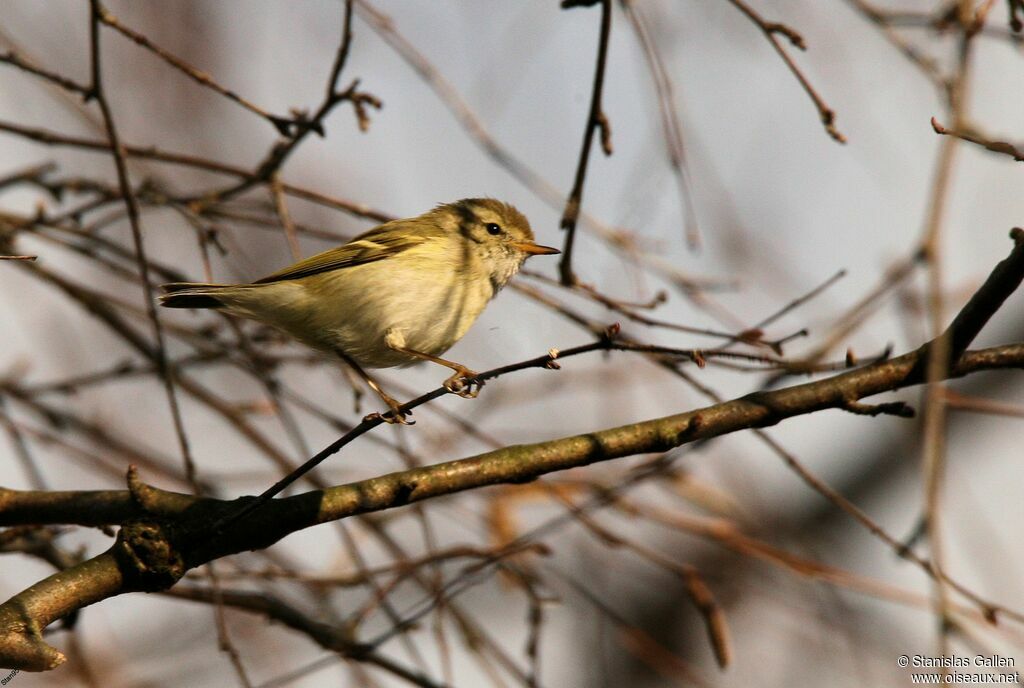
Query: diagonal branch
[52, 138]
[770, 31]
[283, 125]
[328, 636]
[158, 518]
[1002, 147]
[157, 543]
[1002, 281]
[15, 60]
[301, 128]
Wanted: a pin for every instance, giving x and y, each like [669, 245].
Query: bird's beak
[535, 249]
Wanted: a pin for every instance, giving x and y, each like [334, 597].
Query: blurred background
[725, 200]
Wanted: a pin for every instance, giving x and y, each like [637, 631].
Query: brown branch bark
[164, 534]
[596, 119]
[135, 221]
[770, 31]
[48, 600]
[53, 138]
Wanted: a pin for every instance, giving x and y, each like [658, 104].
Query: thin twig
[800, 300]
[15, 60]
[770, 31]
[948, 346]
[670, 125]
[281, 150]
[52, 138]
[596, 119]
[549, 360]
[1002, 147]
[283, 125]
[285, 217]
[132, 205]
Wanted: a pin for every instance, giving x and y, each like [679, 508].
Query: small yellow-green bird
[402, 292]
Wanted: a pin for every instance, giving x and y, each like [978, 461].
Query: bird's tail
[192, 295]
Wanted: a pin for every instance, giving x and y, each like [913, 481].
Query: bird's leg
[460, 383]
[396, 415]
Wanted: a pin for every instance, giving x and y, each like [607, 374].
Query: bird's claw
[464, 383]
[396, 416]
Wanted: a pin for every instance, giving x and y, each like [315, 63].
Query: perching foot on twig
[395, 415]
[463, 383]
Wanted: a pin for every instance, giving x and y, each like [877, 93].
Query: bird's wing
[377, 244]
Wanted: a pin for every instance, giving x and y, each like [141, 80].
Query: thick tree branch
[164, 533]
[30, 611]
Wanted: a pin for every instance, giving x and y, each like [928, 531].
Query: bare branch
[770, 29]
[132, 204]
[283, 125]
[1001, 147]
[595, 118]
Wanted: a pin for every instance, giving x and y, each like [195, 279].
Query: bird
[403, 292]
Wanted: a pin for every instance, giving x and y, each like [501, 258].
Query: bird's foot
[396, 416]
[464, 383]
[390, 417]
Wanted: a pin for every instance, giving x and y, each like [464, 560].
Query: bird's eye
[493, 229]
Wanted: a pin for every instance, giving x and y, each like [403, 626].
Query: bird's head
[497, 233]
